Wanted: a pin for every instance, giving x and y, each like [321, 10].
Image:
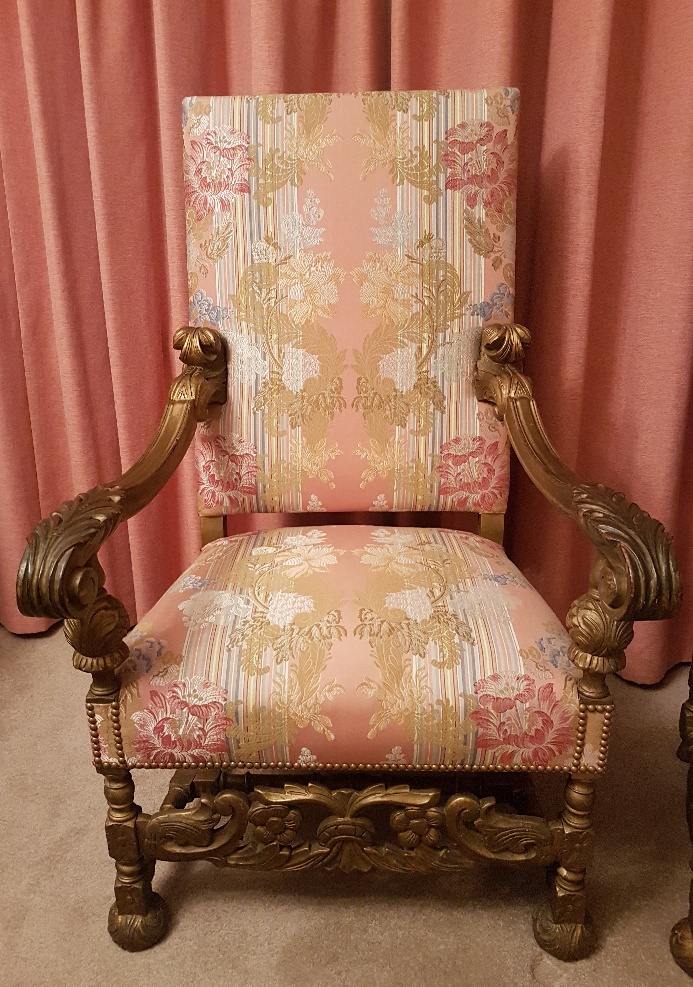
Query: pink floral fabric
[350, 248]
[351, 645]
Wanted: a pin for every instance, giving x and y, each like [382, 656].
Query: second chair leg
[138, 917]
[563, 926]
[681, 941]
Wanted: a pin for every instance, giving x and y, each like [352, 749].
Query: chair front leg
[138, 917]
[563, 926]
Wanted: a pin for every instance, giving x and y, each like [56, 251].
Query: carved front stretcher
[303, 826]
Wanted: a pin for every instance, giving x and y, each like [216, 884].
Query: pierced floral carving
[428, 837]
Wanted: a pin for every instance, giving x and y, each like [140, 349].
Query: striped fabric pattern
[350, 248]
[352, 644]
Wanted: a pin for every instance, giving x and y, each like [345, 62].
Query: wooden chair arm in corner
[60, 575]
[635, 575]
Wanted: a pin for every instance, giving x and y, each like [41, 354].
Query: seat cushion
[350, 646]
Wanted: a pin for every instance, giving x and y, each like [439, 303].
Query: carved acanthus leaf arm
[59, 575]
[636, 576]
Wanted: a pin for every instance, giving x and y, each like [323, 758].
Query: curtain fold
[92, 244]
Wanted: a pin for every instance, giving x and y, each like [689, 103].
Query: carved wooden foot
[563, 926]
[138, 918]
[564, 940]
[681, 945]
[137, 932]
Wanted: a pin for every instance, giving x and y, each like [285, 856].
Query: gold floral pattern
[389, 141]
[351, 289]
[305, 142]
[350, 644]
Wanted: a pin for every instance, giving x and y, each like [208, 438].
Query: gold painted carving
[636, 576]
[60, 575]
[428, 837]
[138, 917]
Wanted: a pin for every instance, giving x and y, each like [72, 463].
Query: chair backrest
[350, 247]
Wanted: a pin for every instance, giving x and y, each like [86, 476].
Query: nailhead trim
[94, 735]
[307, 769]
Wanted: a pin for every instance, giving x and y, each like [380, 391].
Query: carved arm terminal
[635, 575]
[60, 575]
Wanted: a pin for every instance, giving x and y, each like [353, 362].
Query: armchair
[348, 696]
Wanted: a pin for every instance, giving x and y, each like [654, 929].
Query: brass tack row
[295, 766]
[94, 734]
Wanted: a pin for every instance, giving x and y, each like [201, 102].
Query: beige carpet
[273, 930]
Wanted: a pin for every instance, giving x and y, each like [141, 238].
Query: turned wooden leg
[138, 917]
[563, 926]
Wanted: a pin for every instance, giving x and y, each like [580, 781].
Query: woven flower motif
[186, 722]
[501, 692]
[400, 366]
[396, 756]
[380, 503]
[190, 581]
[474, 472]
[216, 170]
[306, 759]
[392, 557]
[310, 283]
[480, 163]
[314, 504]
[532, 730]
[299, 366]
[414, 602]
[284, 606]
[387, 284]
[247, 361]
[300, 231]
[393, 229]
[219, 607]
[226, 470]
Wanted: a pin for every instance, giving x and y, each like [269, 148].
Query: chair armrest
[635, 576]
[59, 575]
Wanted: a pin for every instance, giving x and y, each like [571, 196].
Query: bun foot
[564, 940]
[681, 945]
[137, 932]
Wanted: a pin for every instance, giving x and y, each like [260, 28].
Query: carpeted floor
[273, 930]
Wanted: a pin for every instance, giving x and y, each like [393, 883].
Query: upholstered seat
[351, 646]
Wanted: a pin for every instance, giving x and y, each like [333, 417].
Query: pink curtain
[93, 255]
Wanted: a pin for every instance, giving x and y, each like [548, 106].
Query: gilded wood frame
[206, 816]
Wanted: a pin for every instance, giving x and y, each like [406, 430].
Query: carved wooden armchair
[344, 696]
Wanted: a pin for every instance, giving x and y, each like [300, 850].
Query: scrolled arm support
[60, 575]
[635, 575]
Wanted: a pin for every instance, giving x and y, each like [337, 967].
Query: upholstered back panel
[349, 247]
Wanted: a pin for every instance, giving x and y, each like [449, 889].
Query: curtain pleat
[92, 244]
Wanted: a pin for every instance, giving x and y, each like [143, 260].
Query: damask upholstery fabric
[350, 645]
[350, 247]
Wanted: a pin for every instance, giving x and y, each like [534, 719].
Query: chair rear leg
[563, 926]
[138, 917]
[681, 941]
